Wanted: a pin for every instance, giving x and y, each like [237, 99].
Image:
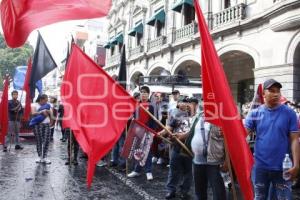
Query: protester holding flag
[144, 118]
[207, 143]
[277, 134]
[180, 163]
[15, 112]
[41, 121]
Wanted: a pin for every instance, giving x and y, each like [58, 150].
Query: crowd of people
[197, 149]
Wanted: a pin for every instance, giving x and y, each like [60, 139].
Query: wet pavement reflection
[23, 179]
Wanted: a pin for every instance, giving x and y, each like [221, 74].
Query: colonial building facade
[255, 39]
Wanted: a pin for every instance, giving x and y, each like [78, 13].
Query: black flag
[122, 77]
[42, 64]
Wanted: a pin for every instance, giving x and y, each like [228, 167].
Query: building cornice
[272, 67]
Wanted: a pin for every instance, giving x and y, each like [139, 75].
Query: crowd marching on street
[209, 148]
[273, 126]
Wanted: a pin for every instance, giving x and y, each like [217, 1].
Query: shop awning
[139, 28]
[107, 45]
[159, 16]
[178, 5]
[118, 39]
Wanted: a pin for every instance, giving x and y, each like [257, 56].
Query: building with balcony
[255, 39]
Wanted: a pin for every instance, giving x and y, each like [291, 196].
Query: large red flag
[26, 88]
[220, 109]
[20, 17]
[96, 107]
[4, 112]
[258, 98]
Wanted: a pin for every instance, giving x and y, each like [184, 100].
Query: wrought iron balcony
[229, 15]
[156, 42]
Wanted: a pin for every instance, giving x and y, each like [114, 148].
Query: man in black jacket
[15, 112]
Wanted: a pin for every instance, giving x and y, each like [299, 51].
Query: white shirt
[197, 143]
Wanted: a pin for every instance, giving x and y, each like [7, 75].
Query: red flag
[20, 17]
[4, 112]
[26, 88]
[220, 109]
[96, 107]
[258, 98]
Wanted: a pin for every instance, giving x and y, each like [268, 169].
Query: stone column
[170, 18]
[147, 29]
[206, 6]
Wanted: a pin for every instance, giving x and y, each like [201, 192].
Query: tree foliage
[11, 58]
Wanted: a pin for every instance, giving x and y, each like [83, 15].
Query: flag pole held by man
[220, 109]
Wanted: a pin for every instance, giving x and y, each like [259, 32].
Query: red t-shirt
[142, 115]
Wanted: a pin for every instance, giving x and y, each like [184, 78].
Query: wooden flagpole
[168, 131]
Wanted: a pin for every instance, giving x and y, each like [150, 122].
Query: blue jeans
[13, 133]
[116, 159]
[208, 173]
[180, 167]
[263, 180]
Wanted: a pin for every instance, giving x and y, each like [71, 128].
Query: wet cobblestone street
[22, 179]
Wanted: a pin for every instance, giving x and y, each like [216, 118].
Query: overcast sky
[56, 37]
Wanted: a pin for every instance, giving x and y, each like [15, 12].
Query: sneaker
[149, 176]
[133, 174]
[160, 161]
[154, 160]
[101, 163]
[46, 161]
[67, 163]
[4, 149]
[296, 184]
[170, 195]
[39, 160]
[18, 147]
[75, 162]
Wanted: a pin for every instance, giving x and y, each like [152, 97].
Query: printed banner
[138, 142]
